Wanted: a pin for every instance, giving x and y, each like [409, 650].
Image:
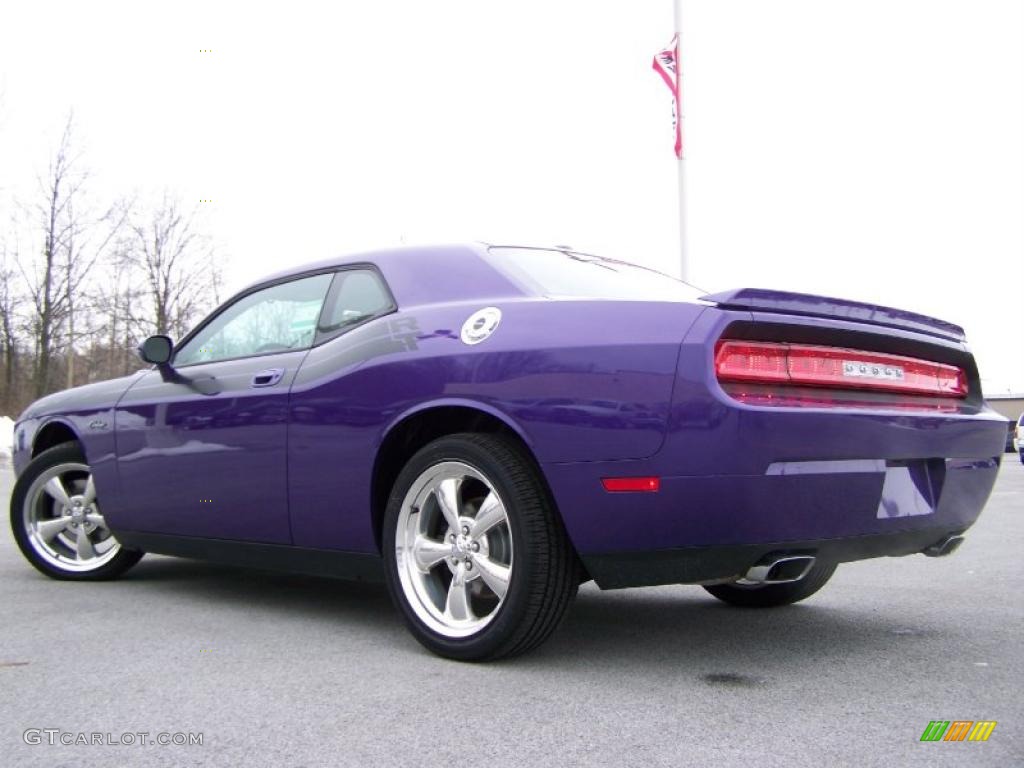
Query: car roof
[418, 275]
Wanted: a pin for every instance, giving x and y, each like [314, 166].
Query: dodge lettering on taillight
[859, 370]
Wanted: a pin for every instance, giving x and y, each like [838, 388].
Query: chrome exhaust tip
[947, 546]
[778, 570]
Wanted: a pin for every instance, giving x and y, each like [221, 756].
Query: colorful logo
[958, 730]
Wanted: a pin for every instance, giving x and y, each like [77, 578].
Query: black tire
[546, 573]
[773, 595]
[60, 454]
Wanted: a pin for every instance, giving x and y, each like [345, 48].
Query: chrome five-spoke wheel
[63, 521]
[476, 557]
[454, 549]
[57, 521]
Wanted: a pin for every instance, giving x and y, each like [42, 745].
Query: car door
[339, 404]
[201, 448]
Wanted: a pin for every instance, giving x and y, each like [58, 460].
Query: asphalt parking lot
[283, 671]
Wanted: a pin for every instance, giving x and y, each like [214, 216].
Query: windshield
[567, 274]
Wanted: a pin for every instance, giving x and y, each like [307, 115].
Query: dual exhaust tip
[776, 569]
[946, 546]
[782, 569]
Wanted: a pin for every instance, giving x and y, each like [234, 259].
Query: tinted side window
[275, 319]
[356, 296]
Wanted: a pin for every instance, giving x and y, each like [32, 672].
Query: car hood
[99, 395]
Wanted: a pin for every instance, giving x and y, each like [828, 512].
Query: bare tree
[9, 306]
[94, 281]
[118, 302]
[88, 242]
[48, 288]
[74, 239]
[177, 266]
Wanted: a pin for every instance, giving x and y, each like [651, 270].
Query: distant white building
[1010, 406]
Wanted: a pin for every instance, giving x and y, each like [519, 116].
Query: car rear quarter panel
[578, 380]
[724, 464]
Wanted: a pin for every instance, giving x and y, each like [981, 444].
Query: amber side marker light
[836, 368]
[631, 484]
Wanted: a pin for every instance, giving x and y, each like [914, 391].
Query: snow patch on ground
[6, 435]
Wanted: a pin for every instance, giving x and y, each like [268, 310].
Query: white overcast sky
[869, 149]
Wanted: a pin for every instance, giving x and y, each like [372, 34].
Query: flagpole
[684, 261]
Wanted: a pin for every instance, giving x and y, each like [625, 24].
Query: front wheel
[57, 522]
[772, 595]
[477, 559]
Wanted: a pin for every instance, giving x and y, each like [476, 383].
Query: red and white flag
[666, 64]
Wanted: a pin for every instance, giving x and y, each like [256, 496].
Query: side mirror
[157, 350]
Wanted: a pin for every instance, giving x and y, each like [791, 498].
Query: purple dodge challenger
[486, 428]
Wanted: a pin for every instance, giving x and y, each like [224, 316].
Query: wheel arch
[54, 432]
[419, 426]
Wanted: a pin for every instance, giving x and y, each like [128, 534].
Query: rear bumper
[713, 527]
[695, 565]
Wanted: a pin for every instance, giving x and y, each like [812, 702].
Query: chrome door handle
[267, 378]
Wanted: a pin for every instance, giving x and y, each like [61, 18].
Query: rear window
[567, 274]
[356, 295]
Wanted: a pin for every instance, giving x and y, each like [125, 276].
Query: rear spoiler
[840, 309]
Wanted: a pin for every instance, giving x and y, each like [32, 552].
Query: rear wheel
[477, 559]
[772, 595]
[57, 521]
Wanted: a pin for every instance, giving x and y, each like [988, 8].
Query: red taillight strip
[836, 368]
